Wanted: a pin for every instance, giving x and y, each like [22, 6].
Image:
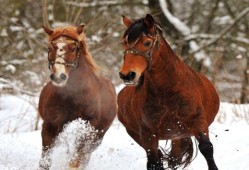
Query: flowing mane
[137, 28]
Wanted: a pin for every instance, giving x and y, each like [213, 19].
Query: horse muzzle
[129, 79]
[58, 80]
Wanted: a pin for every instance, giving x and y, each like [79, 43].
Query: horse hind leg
[206, 148]
[181, 153]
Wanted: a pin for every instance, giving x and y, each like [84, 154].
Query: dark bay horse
[76, 89]
[164, 98]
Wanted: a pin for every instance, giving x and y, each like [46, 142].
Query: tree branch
[93, 4]
[45, 13]
[225, 31]
[214, 7]
[15, 88]
[214, 36]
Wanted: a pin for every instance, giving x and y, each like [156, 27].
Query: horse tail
[180, 153]
[187, 156]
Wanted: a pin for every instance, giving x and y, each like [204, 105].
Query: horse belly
[173, 130]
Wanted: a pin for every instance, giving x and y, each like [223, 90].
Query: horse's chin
[59, 84]
[129, 83]
[136, 82]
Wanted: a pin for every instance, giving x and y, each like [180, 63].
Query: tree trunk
[45, 13]
[244, 98]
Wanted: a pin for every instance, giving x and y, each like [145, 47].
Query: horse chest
[64, 110]
[164, 121]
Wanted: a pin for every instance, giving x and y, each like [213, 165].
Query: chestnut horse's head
[63, 52]
[139, 41]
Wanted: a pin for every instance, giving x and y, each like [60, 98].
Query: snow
[4, 33]
[179, 25]
[10, 68]
[17, 113]
[21, 150]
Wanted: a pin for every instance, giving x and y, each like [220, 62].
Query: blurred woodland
[212, 36]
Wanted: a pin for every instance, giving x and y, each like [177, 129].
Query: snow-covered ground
[21, 149]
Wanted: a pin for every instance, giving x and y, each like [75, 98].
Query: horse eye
[147, 43]
[49, 50]
[72, 49]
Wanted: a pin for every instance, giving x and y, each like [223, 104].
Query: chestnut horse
[164, 98]
[76, 89]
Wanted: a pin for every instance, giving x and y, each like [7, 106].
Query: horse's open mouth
[129, 83]
[136, 82]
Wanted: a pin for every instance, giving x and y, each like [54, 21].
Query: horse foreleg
[47, 140]
[155, 157]
[206, 148]
[75, 163]
[154, 154]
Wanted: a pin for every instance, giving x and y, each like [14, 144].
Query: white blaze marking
[60, 52]
[60, 55]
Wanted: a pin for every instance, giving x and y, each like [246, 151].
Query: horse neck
[163, 74]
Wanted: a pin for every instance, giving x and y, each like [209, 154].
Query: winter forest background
[212, 36]
[209, 35]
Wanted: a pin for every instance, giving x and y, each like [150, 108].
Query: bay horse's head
[63, 52]
[139, 42]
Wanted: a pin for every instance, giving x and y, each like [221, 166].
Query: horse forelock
[70, 32]
[137, 28]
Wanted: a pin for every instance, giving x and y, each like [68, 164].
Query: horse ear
[127, 21]
[149, 21]
[80, 28]
[47, 30]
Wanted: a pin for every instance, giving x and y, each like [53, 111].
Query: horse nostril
[63, 77]
[131, 75]
[121, 75]
[52, 77]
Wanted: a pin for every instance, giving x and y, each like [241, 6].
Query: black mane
[137, 28]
